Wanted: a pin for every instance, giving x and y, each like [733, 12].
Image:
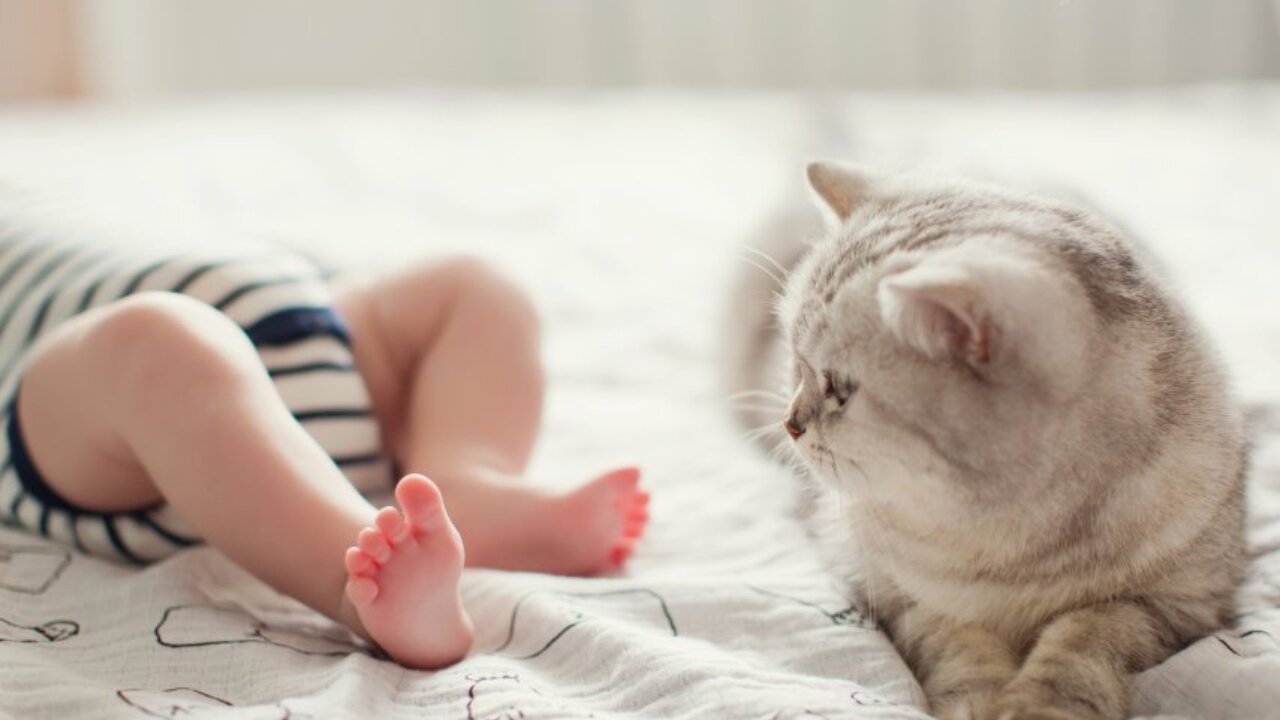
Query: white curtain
[157, 46]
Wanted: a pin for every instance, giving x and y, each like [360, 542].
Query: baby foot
[512, 526]
[602, 521]
[403, 579]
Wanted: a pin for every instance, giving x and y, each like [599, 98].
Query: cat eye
[837, 388]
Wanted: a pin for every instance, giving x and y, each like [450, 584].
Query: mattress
[622, 213]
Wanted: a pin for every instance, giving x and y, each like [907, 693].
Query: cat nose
[793, 427]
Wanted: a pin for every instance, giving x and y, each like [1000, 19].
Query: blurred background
[128, 49]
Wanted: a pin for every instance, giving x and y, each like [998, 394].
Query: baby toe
[634, 527]
[362, 591]
[420, 499]
[392, 525]
[358, 563]
[625, 478]
[374, 545]
[620, 553]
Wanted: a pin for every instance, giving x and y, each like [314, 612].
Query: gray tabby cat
[1032, 468]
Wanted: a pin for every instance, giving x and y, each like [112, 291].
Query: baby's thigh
[396, 318]
[64, 417]
[152, 355]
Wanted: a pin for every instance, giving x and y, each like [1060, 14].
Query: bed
[622, 213]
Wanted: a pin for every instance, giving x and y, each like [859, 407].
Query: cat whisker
[766, 410]
[763, 394]
[767, 258]
[777, 280]
[762, 432]
[784, 452]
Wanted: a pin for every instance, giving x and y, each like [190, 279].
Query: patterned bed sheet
[621, 213]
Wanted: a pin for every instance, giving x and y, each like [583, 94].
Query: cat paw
[976, 705]
[1014, 707]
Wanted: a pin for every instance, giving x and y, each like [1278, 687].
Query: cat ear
[984, 302]
[840, 187]
[939, 309]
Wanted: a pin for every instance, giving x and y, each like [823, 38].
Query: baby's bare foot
[602, 520]
[403, 579]
[512, 526]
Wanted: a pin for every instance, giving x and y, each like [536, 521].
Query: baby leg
[159, 396]
[450, 353]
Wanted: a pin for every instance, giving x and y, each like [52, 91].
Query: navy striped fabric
[280, 300]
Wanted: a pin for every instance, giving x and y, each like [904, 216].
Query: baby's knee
[480, 284]
[166, 341]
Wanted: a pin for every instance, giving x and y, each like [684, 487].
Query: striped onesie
[280, 300]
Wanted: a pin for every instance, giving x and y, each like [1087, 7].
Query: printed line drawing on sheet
[52, 631]
[185, 626]
[490, 704]
[864, 697]
[839, 708]
[187, 702]
[1248, 643]
[797, 714]
[849, 615]
[31, 569]
[529, 635]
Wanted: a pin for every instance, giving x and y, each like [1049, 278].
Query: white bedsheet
[620, 213]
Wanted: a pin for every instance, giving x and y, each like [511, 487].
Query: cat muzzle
[793, 427]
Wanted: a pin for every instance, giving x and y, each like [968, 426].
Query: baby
[245, 399]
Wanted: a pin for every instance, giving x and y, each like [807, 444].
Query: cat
[1026, 458]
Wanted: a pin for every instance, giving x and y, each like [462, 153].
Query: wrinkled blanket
[621, 213]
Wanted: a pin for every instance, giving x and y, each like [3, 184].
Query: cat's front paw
[973, 705]
[1034, 713]
[1031, 706]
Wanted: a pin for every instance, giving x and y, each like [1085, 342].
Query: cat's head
[955, 343]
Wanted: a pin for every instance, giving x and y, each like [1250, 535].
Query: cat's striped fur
[1032, 467]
